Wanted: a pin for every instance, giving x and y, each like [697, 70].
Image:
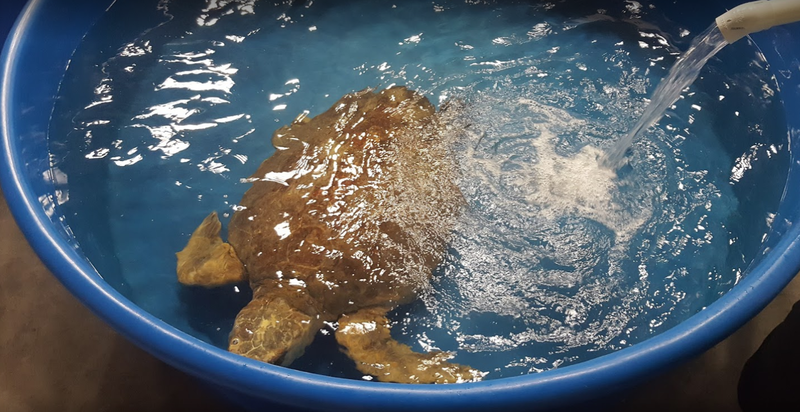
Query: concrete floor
[56, 355]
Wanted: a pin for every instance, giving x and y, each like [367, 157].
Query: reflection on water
[554, 261]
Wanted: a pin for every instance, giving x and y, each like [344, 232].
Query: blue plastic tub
[36, 53]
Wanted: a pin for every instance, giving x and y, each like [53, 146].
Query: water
[681, 75]
[167, 107]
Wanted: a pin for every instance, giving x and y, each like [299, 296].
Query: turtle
[343, 223]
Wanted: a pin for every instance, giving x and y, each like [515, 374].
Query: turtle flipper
[366, 337]
[272, 331]
[207, 260]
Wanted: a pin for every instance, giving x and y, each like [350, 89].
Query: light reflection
[212, 165]
[98, 153]
[249, 132]
[171, 110]
[295, 86]
[223, 85]
[220, 78]
[502, 41]
[173, 123]
[55, 176]
[229, 119]
[282, 229]
[297, 283]
[744, 162]
[134, 50]
[169, 147]
[217, 9]
[214, 100]
[48, 205]
[412, 40]
[127, 162]
[540, 30]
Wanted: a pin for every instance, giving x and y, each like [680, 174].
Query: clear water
[681, 75]
[167, 106]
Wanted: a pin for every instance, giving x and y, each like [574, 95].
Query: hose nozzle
[756, 16]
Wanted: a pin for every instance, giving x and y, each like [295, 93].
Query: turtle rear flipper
[207, 260]
[273, 331]
[367, 339]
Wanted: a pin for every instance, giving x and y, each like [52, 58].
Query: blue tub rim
[582, 381]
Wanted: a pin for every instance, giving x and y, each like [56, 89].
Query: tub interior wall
[780, 47]
[34, 91]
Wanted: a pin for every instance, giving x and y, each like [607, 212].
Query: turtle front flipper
[207, 260]
[367, 339]
[272, 331]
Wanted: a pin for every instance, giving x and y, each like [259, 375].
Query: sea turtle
[343, 223]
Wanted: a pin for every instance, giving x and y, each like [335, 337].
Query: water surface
[167, 106]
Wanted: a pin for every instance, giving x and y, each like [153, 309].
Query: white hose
[756, 16]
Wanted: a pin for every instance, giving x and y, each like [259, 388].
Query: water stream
[682, 74]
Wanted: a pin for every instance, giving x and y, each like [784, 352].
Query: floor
[56, 355]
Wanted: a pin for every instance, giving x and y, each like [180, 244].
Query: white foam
[555, 185]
